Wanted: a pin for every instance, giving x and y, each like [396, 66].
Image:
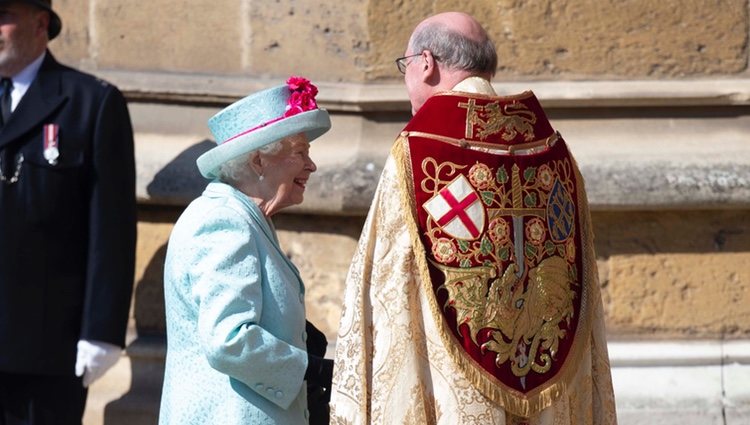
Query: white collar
[22, 81]
[476, 85]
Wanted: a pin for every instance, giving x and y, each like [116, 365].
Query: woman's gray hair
[236, 171]
[454, 49]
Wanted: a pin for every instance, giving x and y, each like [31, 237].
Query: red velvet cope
[549, 215]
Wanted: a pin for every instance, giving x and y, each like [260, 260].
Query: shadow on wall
[140, 405]
[179, 182]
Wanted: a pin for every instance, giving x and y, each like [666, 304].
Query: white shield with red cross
[458, 210]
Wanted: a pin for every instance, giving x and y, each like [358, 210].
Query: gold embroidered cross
[472, 118]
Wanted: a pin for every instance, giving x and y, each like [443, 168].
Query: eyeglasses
[401, 62]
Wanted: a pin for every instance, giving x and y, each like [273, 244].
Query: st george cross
[458, 210]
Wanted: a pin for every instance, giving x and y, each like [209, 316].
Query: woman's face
[285, 173]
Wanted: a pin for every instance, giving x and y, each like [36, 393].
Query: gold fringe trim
[517, 403]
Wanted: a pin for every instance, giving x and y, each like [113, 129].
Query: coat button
[279, 394]
[269, 391]
[259, 387]
[304, 336]
[307, 414]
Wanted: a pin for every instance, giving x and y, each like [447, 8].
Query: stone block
[680, 294]
[668, 395]
[390, 25]
[674, 273]
[172, 178]
[145, 370]
[169, 35]
[661, 353]
[681, 382]
[642, 38]
[322, 249]
[110, 387]
[154, 228]
[357, 41]
[320, 40]
[72, 45]
[737, 392]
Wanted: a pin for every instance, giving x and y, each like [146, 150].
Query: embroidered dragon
[523, 322]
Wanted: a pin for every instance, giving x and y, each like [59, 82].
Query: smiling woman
[273, 176]
[237, 347]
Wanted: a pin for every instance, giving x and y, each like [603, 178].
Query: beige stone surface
[675, 274]
[110, 387]
[154, 228]
[600, 39]
[169, 35]
[357, 41]
[322, 40]
[390, 24]
[671, 232]
[72, 45]
[322, 249]
[585, 38]
[684, 295]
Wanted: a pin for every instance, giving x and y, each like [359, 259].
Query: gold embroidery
[495, 248]
[496, 148]
[433, 183]
[462, 392]
[511, 119]
[521, 318]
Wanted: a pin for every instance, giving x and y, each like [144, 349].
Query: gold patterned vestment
[399, 359]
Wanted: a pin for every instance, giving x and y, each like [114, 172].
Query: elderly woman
[235, 304]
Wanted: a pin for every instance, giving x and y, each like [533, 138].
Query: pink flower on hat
[301, 97]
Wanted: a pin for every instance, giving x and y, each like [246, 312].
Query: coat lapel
[41, 99]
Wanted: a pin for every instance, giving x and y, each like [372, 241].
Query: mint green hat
[261, 119]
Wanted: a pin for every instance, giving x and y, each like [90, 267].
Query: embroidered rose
[499, 231]
[546, 177]
[535, 231]
[444, 250]
[301, 97]
[480, 176]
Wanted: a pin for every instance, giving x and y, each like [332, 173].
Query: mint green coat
[235, 312]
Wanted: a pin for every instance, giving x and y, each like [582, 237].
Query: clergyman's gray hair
[455, 50]
[236, 171]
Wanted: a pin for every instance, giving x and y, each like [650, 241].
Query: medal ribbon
[51, 151]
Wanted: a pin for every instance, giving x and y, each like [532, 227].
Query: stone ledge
[345, 186]
[213, 89]
[678, 353]
[666, 185]
[682, 395]
[681, 382]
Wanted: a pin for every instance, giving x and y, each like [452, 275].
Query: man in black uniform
[67, 223]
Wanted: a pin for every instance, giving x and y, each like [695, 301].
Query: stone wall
[356, 41]
[653, 98]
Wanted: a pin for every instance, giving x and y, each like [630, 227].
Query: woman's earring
[260, 178]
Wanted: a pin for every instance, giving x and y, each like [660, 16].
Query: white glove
[94, 358]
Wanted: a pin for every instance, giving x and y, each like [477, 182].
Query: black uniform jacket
[67, 229]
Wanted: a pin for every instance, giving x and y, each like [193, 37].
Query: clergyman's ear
[428, 65]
